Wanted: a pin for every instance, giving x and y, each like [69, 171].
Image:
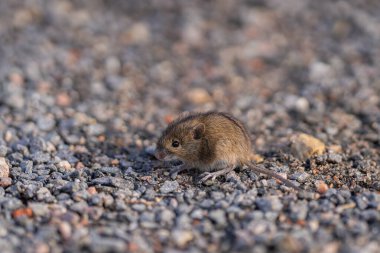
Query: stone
[139, 33]
[219, 217]
[4, 168]
[304, 146]
[64, 165]
[169, 186]
[182, 237]
[300, 176]
[113, 181]
[321, 186]
[334, 158]
[198, 96]
[5, 181]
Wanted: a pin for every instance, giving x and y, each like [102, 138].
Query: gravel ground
[86, 87]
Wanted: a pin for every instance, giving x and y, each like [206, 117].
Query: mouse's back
[225, 126]
[228, 136]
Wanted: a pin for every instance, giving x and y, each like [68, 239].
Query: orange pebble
[168, 118]
[322, 187]
[22, 212]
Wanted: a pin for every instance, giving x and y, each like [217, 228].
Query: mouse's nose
[159, 154]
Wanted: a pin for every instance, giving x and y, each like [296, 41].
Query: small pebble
[64, 165]
[169, 186]
[4, 168]
[300, 176]
[321, 186]
[198, 96]
[334, 158]
[182, 237]
[5, 181]
[219, 217]
[65, 230]
[304, 146]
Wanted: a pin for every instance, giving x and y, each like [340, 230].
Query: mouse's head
[181, 140]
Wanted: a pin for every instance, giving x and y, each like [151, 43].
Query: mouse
[213, 142]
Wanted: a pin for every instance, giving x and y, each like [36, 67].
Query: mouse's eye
[175, 144]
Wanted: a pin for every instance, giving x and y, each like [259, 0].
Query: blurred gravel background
[86, 87]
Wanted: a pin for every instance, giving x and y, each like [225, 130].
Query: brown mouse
[214, 142]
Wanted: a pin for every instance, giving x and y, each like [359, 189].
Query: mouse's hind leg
[213, 175]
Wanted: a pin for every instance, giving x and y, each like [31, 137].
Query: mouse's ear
[198, 131]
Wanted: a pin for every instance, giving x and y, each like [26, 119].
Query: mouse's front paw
[174, 172]
[206, 176]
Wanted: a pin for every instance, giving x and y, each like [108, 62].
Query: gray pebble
[197, 214]
[269, 204]
[300, 176]
[114, 181]
[107, 244]
[166, 217]
[169, 186]
[216, 195]
[27, 166]
[120, 205]
[96, 129]
[219, 217]
[113, 171]
[149, 194]
[71, 187]
[138, 207]
[40, 209]
[11, 203]
[371, 215]
[80, 207]
[43, 194]
[40, 157]
[46, 123]
[16, 158]
[3, 150]
[334, 158]
[361, 202]
[207, 203]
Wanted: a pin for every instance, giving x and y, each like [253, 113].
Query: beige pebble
[257, 158]
[8, 136]
[182, 237]
[50, 147]
[5, 181]
[91, 190]
[4, 168]
[42, 248]
[332, 247]
[65, 165]
[335, 148]
[79, 165]
[65, 230]
[304, 146]
[198, 96]
[139, 33]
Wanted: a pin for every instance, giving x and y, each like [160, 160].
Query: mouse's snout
[160, 154]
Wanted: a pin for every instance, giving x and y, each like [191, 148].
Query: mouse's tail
[261, 169]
